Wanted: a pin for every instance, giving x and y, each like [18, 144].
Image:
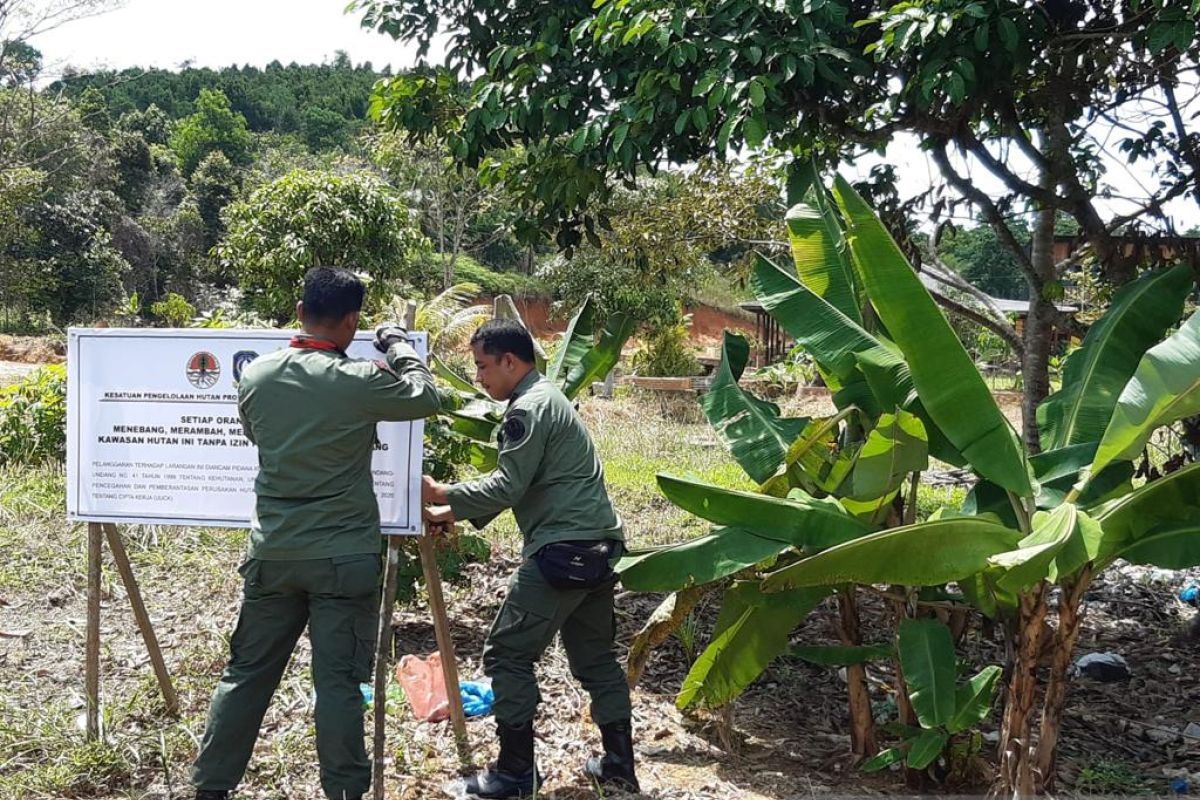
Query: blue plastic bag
[477, 698]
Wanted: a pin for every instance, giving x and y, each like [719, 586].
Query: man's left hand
[439, 515]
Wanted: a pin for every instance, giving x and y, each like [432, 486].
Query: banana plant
[945, 709]
[588, 352]
[1034, 520]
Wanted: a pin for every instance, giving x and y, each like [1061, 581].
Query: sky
[218, 33]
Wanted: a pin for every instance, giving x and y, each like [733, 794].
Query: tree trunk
[1016, 773]
[1069, 618]
[1039, 326]
[862, 723]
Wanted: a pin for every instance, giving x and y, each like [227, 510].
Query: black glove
[388, 334]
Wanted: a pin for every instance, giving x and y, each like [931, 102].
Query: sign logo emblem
[203, 370]
[240, 359]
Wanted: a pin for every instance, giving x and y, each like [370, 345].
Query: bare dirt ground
[31, 349]
[788, 737]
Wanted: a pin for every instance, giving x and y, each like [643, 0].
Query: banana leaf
[1031, 562]
[577, 340]
[890, 382]
[1139, 316]
[800, 520]
[481, 429]
[1169, 504]
[741, 650]
[842, 656]
[1057, 472]
[925, 748]
[483, 457]
[883, 759]
[955, 548]
[704, 559]
[824, 331]
[818, 248]
[1167, 547]
[751, 428]
[443, 371]
[895, 447]
[927, 658]
[973, 699]
[1165, 388]
[599, 360]
[812, 462]
[950, 387]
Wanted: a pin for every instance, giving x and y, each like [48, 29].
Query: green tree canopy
[214, 126]
[307, 219]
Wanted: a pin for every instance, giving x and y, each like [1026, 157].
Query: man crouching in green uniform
[549, 475]
[314, 554]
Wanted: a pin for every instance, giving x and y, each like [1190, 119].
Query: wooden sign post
[92, 667]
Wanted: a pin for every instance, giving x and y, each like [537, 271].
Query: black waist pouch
[576, 565]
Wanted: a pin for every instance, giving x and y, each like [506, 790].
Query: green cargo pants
[532, 612]
[338, 598]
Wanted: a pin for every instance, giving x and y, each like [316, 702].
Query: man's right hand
[388, 334]
[432, 492]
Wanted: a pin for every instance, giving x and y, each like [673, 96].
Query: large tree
[599, 92]
[309, 219]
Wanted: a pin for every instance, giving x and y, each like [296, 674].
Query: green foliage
[271, 99]
[325, 129]
[979, 256]
[751, 428]
[175, 310]
[215, 183]
[152, 123]
[305, 219]
[33, 418]
[752, 630]
[452, 558]
[618, 286]
[215, 126]
[1164, 388]
[490, 282]
[1138, 317]
[944, 708]
[667, 352]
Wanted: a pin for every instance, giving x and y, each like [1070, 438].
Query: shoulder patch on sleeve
[516, 412]
[514, 430]
[386, 367]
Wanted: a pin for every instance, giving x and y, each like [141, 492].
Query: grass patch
[1107, 777]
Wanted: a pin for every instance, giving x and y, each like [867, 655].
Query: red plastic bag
[424, 685]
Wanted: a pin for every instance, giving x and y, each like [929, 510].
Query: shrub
[667, 353]
[33, 415]
[175, 310]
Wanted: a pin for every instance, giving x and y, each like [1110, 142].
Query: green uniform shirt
[312, 412]
[547, 473]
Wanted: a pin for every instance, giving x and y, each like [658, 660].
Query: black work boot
[615, 768]
[513, 774]
[212, 794]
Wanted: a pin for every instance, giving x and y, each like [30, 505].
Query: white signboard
[153, 434]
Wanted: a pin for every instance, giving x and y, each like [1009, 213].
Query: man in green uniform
[549, 475]
[314, 554]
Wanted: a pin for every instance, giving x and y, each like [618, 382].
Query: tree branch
[985, 204]
[1005, 331]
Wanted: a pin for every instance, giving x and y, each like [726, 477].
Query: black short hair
[500, 336]
[330, 294]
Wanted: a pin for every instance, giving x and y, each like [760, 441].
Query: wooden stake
[383, 652]
[441, 627]
[92, 658]
[143, 619]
